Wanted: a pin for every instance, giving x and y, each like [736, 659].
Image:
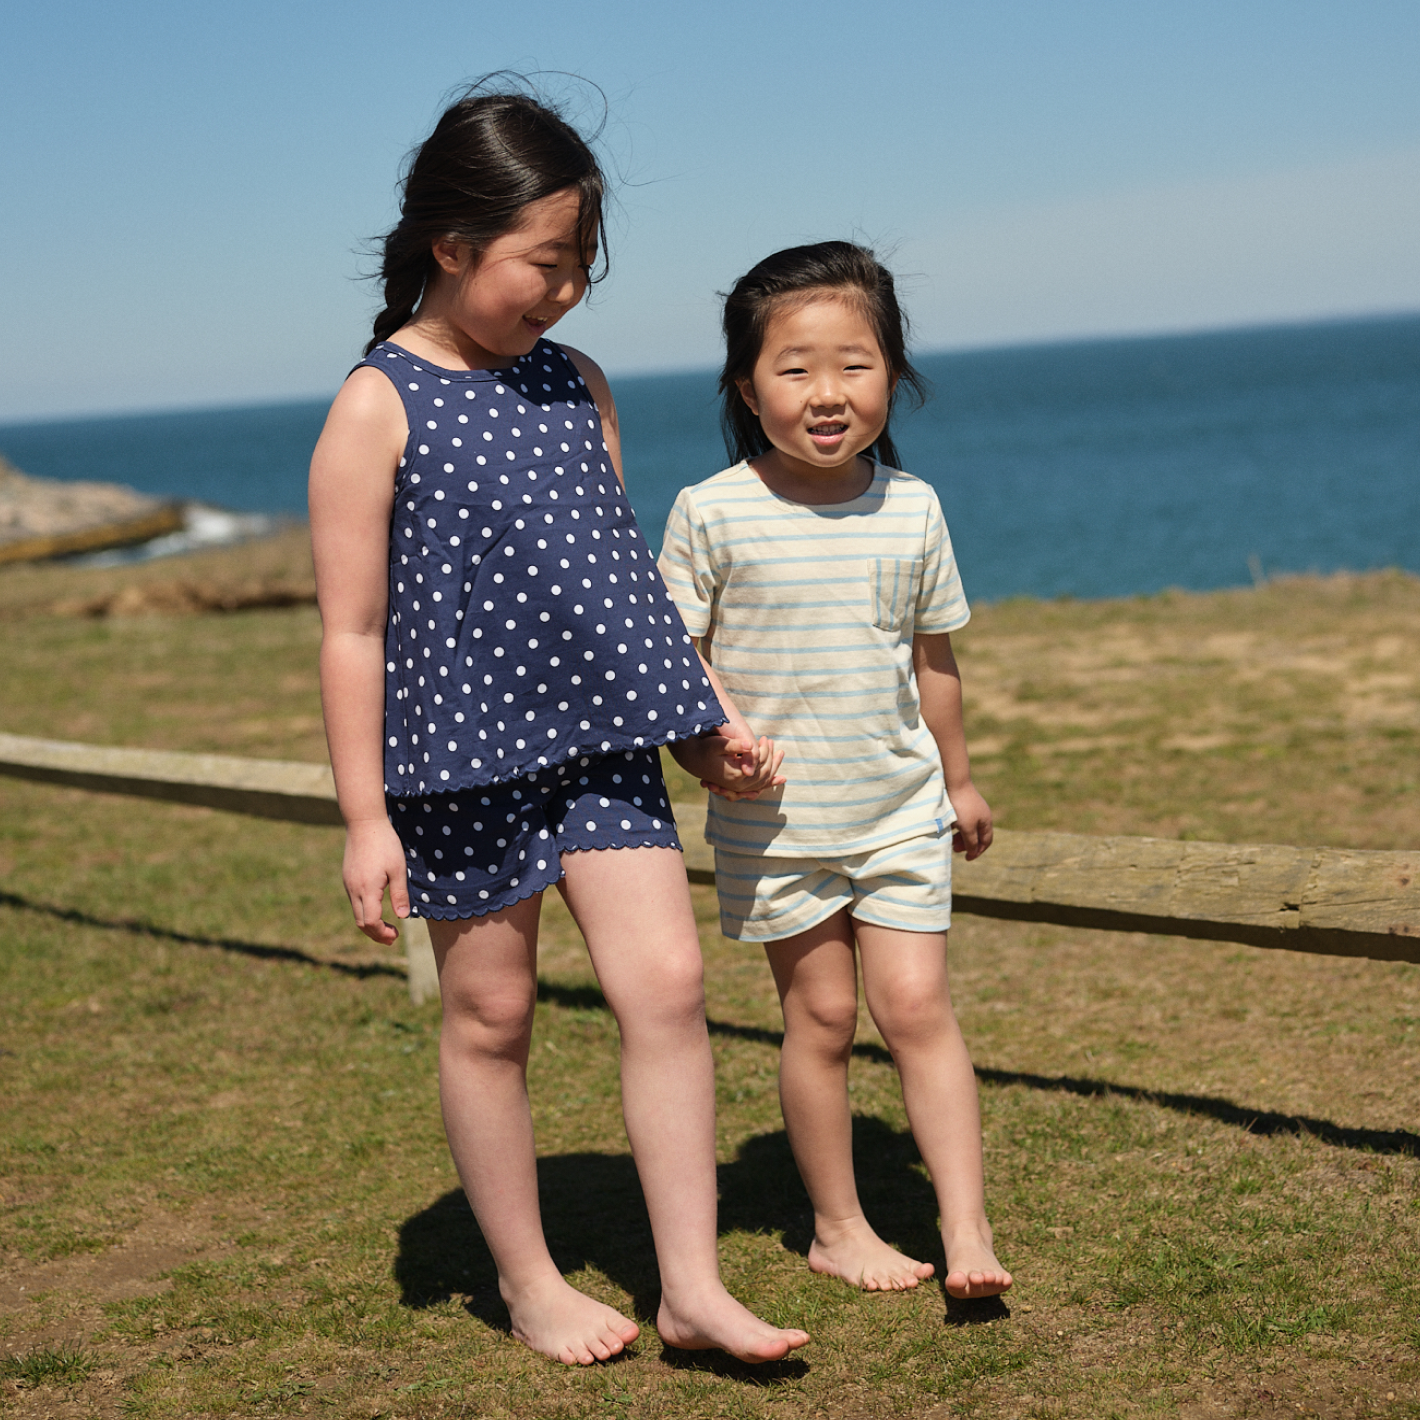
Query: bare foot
[861, 1257]
[972, 1269]
[555, 1318]
[719, 1322]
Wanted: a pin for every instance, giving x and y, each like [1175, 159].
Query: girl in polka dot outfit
[500, 662]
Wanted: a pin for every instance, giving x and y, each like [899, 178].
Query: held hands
[730, 761]
[374, 861]
[741, 767]
[972, 835]
[736, 765]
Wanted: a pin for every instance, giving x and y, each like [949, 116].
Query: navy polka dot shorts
[475, 851]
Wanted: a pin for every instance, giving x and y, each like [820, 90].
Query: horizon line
[668, 371]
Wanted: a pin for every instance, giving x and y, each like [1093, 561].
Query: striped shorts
[905, 885]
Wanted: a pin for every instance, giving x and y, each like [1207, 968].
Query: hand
[973, 831]
[374, 861]
[743, 767]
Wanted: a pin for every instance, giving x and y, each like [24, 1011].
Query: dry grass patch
[271, 572]
[1287, 714]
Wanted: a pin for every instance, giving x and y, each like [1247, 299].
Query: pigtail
[404, 272]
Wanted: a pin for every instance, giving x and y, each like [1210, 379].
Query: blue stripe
[837, 848]
[801, 669]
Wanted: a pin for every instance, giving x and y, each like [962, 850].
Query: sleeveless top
[527, 621]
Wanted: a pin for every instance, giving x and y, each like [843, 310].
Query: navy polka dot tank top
[527, 621]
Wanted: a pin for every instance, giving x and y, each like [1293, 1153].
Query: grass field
[225, 1187]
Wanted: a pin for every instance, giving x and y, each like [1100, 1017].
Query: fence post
[419, 961]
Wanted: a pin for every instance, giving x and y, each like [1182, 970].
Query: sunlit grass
[1202, 1158]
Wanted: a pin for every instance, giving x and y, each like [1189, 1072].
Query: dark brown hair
[833, 268]
[489, 156]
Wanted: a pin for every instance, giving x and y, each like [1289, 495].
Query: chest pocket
[893, 583]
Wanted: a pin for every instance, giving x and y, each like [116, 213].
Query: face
[820, 386]
[521, 285]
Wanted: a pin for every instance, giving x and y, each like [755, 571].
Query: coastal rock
[43, 517]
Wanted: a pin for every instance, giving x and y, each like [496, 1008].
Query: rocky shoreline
[90, 523]
[43, 517]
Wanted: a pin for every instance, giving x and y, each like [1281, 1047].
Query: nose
[827, 391]
[566, 287]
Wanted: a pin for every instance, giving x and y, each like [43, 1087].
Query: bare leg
[905, 982]
[817, 976]
[633, 908]
[488, 982]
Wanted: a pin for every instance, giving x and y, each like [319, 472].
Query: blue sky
[187, 189]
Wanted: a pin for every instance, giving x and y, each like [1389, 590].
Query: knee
[911, 1018]
[671, 992]
[827, 1018]
[490, 1022]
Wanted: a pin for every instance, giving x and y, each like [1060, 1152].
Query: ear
[746, 389]
[451, 255]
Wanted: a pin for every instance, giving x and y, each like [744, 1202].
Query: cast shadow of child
[594, 1216]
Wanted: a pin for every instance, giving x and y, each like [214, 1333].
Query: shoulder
[712, 496]
[906, 491]
[591, 372]
[369, 403]
[904, 483]
[728, 482]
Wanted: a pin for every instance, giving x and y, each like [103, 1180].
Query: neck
[442, 343]
[801, 483]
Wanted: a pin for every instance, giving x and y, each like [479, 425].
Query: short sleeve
[941, 602]
[687, 566]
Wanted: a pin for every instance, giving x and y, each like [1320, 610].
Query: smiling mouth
[828, 431]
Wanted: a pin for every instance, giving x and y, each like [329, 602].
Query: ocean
[1090, 469]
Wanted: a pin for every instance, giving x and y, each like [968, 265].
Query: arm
[939, 691]
[729, 761]
[352, 494]
[600, 391]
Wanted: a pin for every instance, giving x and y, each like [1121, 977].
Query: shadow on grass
[362, 970]
[594, 1216]
[1264, 1122]
[720, 1363]
[976, 1311]
[592, 1213]
[1379, 1141]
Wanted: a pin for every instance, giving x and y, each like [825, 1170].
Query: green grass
[224, 1188]
[48, 1365]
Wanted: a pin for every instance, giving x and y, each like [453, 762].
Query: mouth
[536, 323]
[827, 433]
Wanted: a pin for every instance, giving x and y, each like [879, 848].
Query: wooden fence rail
[1338, 901]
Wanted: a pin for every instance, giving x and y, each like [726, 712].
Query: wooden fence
[1334, 900]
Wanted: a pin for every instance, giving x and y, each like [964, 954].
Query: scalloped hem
[453, 914]
[616, 847]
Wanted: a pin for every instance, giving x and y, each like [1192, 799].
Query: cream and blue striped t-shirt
[811, 610]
